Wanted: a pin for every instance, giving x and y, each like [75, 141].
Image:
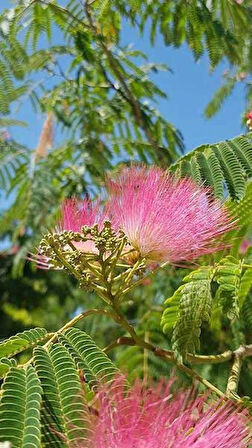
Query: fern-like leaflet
[195, 300]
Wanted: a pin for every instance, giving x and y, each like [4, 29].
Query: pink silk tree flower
[166, 219]
[77, 214]
[154, 417]
[249, 120]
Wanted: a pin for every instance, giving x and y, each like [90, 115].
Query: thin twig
[202, 380]
[124, 340]
[139, 282]
[163, 353]
[70, 324]
[76, 319]
[126, 92]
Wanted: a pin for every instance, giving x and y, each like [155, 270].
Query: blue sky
[189, 88]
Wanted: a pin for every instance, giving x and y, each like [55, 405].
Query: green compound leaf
[79, 361]
[228, 276]
[64, 407]
[245, 286]
[20, 408]
[5, 365]
[100, 367]
[22, 341]
[171, 312]
[13, 157]
[195, 299]
[224, 164]
[242, 213]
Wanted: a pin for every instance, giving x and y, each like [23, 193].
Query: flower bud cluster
[92, 269]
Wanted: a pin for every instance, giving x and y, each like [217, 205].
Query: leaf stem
[75, 320]
[70, 324]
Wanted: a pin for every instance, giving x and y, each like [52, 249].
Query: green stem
[202, 380]
[75, 320]
[114, 257]
[130, 273]
[102, 292]
[163, 353]
[94, 269]
[138, 282]
[65, 262]
[192, 359]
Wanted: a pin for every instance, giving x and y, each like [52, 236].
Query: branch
[202, 380]
[124, 340]
[239, 354]
[126, 92]
[234, 376]
[163, 353]
[190, 358]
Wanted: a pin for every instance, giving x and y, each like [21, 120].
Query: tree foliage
[102, 98]
[54, 381]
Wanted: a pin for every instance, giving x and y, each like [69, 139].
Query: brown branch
[163, 353]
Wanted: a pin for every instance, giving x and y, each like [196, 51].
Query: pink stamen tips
[164, 218]
[155, 417]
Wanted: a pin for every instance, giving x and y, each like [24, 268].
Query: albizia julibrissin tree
[61, 393]
[70, 393]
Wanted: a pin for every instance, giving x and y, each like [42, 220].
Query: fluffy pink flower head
[77, 214]
[155, 418]
[249, 120]
[166, 219]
